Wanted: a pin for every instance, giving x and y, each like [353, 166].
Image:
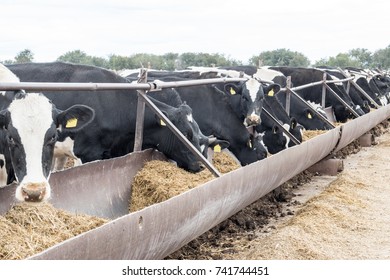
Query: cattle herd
[39, 130]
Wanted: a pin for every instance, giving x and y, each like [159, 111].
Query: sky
[238, 29]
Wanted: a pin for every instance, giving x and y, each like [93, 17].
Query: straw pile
[319, 229]
[309, 134]
[27, 229]
[160, 180]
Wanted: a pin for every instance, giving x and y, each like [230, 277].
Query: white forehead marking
[253, 86]
[32, 117]
[189, 118]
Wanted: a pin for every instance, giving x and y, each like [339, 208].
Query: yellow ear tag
[309, 116]
[162, 123]
[71, 123]
[217, 148]
[232, 91]
[271, 92]
[250, 144]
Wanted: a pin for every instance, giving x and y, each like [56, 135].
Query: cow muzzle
[252, 120]
[33, 192]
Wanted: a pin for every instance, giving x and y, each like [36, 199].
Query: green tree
[204, 59]
[76, 56]
[280, 57]
[362, 56]
[24, 56]
[381, 58]
[80, 57]
[341, 60]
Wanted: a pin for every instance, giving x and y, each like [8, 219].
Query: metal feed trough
[103, 189]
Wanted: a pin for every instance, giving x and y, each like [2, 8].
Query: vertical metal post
[323, 91]
[139, 126]
[288, 95]
[376, 105]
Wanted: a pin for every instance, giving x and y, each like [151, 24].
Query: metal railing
[142, 88]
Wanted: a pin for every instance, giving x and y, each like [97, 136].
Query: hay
[160, 180]
[329, 226]
[27, 229]
[309, 134]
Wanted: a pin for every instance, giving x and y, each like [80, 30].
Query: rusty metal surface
[161, 229]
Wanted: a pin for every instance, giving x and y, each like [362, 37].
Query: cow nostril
[35, 194]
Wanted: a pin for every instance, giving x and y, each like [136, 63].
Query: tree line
[359, 57]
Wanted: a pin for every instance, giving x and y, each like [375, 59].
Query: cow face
[31, 123]
[247, 100]
[169, 144]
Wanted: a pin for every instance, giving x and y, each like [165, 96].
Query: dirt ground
[313, 216]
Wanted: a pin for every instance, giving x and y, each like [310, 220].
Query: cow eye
[11, 141]
[52, 139]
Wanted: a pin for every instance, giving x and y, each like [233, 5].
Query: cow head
[246, 99]
[31, 124]
[166, 142]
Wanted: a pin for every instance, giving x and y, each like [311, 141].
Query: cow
[355, 95]
[111, 133]
[302, 76]
[273, 138]
[218, 112]
[30, 124]
[301, 115]
[369, 83]
[247, 96]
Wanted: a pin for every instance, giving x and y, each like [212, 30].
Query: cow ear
[275, 129]
[231, 89]
[75, 118]
[218, 145]
[309, 114]
[271, 90]
[4, 119]
[294, 123]
[160, 121]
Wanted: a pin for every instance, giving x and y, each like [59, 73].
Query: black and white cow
[302, 76]
[369, 82]
[273, 138]
[216, 113]
[300, 114]
[247, 97]
[355, 95]
[30, 125]
[112, 131]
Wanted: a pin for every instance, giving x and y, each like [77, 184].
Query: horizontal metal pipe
[155, 85]
[320, 83]
[307, 86]
[338, 80]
